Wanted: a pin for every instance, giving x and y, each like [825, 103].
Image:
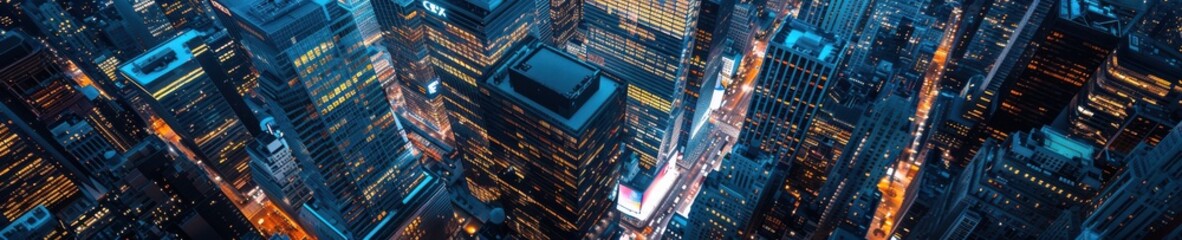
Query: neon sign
[435, 9]
[433, 87]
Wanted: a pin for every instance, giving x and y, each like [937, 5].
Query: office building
[176, 82]
[277, 172]
[1140, 70]
[824, 144]
[64, 32]
[1067, 49]
[321, 86]
[788, 93]
[1162, 21]
[145, 22]
[1016, 188]
[76, 121]
[790, 89]
[565, 17]
[404, 23]
[1139, 204]
[705, 62]
[850, 194]
[726, 201]
[468, 38]
[33, 178]
[647, 44]
[1146, 123]
[555, 121]
[162, 194]
[842, 18]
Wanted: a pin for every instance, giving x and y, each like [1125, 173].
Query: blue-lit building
[646, 44]
[790, 89]
[404, 22]
[319, 82]
[842, 18]
[788, 92]
[555, 123]
[1015, 189]
[176, 83]
[850, 195]
[726, 202]
[468, 39]
[1139, 203]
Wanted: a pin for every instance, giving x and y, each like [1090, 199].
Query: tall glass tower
[468, 38]
[177, 83]
[789, 91]
[646, 42]
[322, 86]
[555, 124]
[404, 25]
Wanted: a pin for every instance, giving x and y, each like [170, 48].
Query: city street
[898, 186]
[719, 137]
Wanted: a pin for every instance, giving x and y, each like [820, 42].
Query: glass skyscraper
[647, 43]
[467, 39]
[318, 77]
[788, 92]
[177, 80]
[554, 123]
[405, 28]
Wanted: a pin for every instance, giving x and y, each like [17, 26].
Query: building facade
[554, 121]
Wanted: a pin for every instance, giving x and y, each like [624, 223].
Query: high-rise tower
[327, 99]
[646, 43]
[554, 121]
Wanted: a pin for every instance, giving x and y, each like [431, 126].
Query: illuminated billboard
[641, 201]
[629, 201]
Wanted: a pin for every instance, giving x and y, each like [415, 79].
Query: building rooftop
[1096, 14]
[157, 62]
[1065, 146]
[808, 40]
[1151, 57]
[556, 72]
[271, 15]
[556, 85]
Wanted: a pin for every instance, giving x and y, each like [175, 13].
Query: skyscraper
[277, 172]
[1141, 70]
[789, 90]
[555, 123]
[843, 18]
[727, 199]
[704, 62]
[327, 99]
[468, 38]
[145, 21]
[565, 17]
[646, 43]
[33, 178]
[177, 83]
[1066, 50]
[1139, 204]
[404, 22]
[851, 191]
[1015, 188]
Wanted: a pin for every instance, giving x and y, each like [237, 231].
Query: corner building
[467, 39]
[326, 97]
[647, 43]
[554, 124]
